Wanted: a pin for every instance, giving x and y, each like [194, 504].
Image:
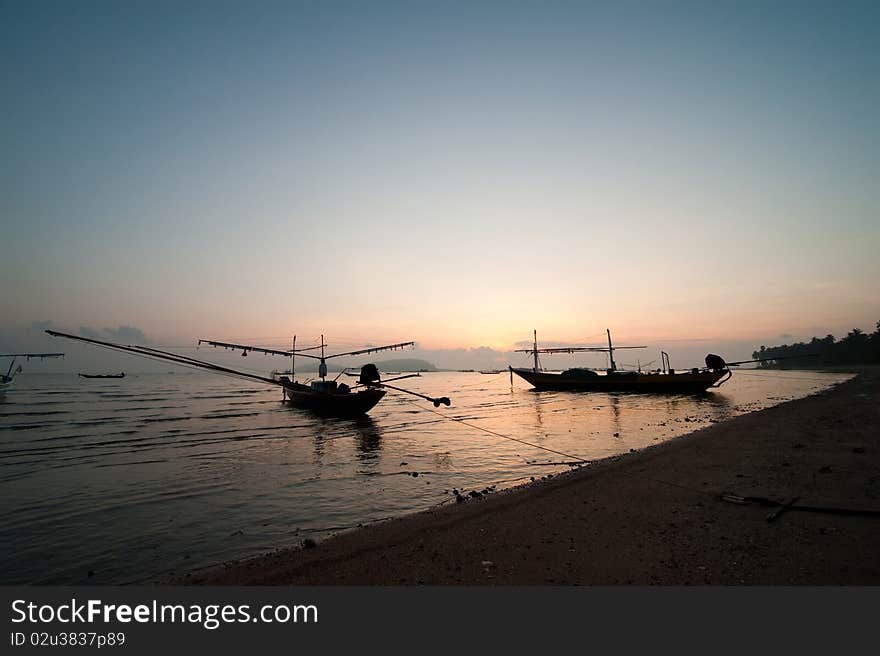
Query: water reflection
[369, 438]
[718, 401]
[539, 415]
[75, 457]
[615, 412]
[365, 432]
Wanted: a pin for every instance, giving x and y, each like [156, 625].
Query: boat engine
[369, 374]
[715, 362]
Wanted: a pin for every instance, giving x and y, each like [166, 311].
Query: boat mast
[535, 350]
[322, 368]
[576, 349]
[611, 351]
[292, 355]
[27, 356]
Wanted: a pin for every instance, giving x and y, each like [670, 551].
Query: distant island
[858, 347]
[405, 364]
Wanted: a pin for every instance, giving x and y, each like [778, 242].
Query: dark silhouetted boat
[324, 397]
[121, 374]
[612, 379]
[7, 378]
[329, 397]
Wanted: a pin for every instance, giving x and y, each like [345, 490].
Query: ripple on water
[133, 481]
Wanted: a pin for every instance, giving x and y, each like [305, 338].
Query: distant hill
[405, 364]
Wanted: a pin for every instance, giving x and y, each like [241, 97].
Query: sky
[699, 175]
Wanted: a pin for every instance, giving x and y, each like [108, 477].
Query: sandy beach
[652, 517]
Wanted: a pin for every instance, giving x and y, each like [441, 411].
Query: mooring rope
[485, 380]
[576, 459]
[771, 374]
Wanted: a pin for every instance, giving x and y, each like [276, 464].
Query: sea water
[148, 477]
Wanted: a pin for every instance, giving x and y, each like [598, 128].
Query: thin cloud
[89, 333]
[128, 334]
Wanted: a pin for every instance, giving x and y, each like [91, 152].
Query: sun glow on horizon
[391, 173]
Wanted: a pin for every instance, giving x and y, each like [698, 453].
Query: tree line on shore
[858, 347]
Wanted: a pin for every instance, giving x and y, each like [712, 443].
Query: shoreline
[650, 517]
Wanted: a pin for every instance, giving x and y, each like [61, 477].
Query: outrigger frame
[576, 349]
[292, 389]
[322, 366]
[7, 378]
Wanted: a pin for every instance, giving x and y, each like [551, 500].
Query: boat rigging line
[371, 381]
[156, 354]
[369, 374]
[609, 350]
[765, 374]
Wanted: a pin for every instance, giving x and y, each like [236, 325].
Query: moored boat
[7, 379]
[324, 397]
[586, 380]
[664, 380]
[327, 398]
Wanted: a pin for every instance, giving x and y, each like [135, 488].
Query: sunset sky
[453, 173]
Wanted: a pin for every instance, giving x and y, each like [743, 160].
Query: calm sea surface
[139, 479]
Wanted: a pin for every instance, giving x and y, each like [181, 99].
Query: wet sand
[653, 517]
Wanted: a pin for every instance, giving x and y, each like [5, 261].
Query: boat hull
[679, 383]
[350, 404]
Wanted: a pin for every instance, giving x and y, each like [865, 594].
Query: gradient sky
[453, 173]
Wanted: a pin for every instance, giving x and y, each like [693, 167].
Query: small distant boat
[121, 374]
[665, 380]
[7, 378]
[491, 371]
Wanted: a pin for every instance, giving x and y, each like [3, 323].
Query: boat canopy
[580, 372]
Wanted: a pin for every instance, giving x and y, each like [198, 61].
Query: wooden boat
[121, 374]
[7, 378]
[328, 397]
[665, 380]
[324, 397]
